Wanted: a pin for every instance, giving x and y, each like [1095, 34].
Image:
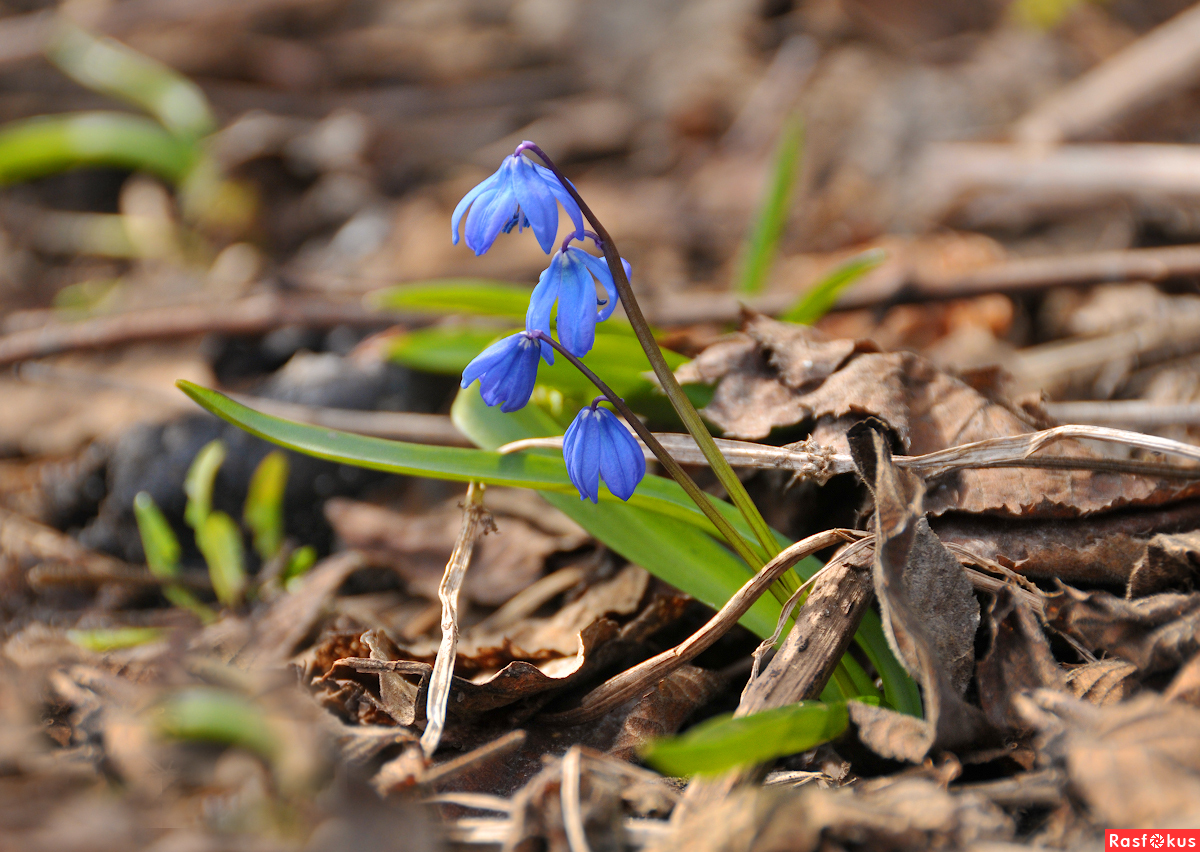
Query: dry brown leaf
[901, 814]
[1170, 564]
[1103, 682]
[1156, 633]
[930, 613]
[1136, 764]
[1019, 659]
[417, 545]
[773, 376]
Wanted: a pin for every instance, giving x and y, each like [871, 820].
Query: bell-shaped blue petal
[507, 370]
[568, 281]
[519, 194]
[597, 447]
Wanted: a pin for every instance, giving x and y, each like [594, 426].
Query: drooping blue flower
[598, 447]
[568, 280]
[520, 194]
[507, 370]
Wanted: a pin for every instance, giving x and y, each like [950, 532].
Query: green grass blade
[206, 714]
[821, 298]
[466, 296]
[263, 512]
[109, 67]
[724, 743]
[198, 485]
[220, 542]
[46, 145]
[104, 639]
[158, 539]
[758, 252]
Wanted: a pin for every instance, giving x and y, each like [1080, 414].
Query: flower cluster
[522, 194]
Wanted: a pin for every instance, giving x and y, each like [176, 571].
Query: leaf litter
[1059, 682]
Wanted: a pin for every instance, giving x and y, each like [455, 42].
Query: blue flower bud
[507, 370]
[519, 194]
[568, 280]
[597, 446]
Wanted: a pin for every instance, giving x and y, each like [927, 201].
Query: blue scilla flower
[519, 194]
[598, 447]
[507, 370]
[568, 280]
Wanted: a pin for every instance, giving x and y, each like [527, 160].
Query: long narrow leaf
[466, 296]
[723, 742]
[109, 67]
[819, 300]
[758, 253]
[198, 484]
[36, 147]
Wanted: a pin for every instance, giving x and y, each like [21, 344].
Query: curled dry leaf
[1170, 563]
[1136, 764]
[907, 813]
[1018, 659]
[1103, 682]
[1156, 633]
[930, 614]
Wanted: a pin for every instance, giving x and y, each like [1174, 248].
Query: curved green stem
[687, 412]
[739, 544]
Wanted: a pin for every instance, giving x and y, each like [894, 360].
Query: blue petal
[537, 203]
[576, 305]
[479, 188]
[622, 463]
[537, 317]
[488, 217]
[583, 464]
[599, 268]
[487, 360]
[564, 198]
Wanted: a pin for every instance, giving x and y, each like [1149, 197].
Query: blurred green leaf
[441, 349]
[105, 639]
[263, 512]
[158, 539]
[466, 296]
[205, 714]
[821, 298]
[724, 743]
[299, 563]
[109, 67]
[220, 542]
[45, 145]
[198, 485]
[758, 252]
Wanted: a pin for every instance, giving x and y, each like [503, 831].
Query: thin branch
[475, 522]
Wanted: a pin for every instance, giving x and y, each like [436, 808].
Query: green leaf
[213, 715]
[724, 743]
[45, 145]
[105, 639]
[758, 252]
[522, 470]
[198, 485]
[819, 300]
[158, 539]
[899, 689]
[441, 349]
[474, 296]
[263, 512]
[109, 67]
[299, 563]
[220, 541]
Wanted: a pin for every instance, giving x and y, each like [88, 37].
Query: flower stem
[687, 412]
[739, 544]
